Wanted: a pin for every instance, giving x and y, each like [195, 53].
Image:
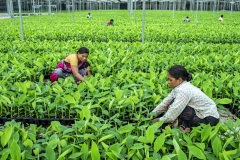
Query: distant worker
[89, 15]
[110, 23]
[220, 19]
[187, 19]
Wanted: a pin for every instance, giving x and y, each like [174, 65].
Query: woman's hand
[155, 120]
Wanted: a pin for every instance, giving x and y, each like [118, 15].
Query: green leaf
[129, 141]
[53, 143]
[22, 98]
[77, 96]
[137, 146]
[125, 129]
[143, 139]
[6, 135]
[75, 155]
[28, 142]
[224, 101]
[150, 134]
[5, 153]
[196, 152]
[65, 153]
[165, 158]
[94, 151]
[15, 151]
[50, 154]
[228, 141]
[205, 132]
[216, 146]
[84, 151]
[105, 137]
[6, 99]
[70, 99]
[181, 155]
[105, 146]
[159, 142]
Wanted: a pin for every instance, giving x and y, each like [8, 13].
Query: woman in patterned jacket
[186, 105]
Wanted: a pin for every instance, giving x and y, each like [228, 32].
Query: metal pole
[34, 7]
[73, 10]
[143, 20]
[135, 4]
[197, 13]
[20, 16]
[49, 8]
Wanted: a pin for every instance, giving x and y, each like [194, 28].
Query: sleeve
[176, 108]
[164, 104]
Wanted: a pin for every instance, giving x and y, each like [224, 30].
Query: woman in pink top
[110, 23]
[75, 65]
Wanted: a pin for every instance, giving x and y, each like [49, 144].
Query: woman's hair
[178, 71]
[111, 20]
[83, 50]
[221, 15]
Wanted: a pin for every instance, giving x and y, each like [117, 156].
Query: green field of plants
[110, 109]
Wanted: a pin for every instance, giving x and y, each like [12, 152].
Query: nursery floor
[226, 115]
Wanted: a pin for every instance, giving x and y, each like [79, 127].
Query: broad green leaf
[105, 137]
[224, 101]
[159, 142]
[214, 132]
[230, 153]
[228, 141]
[6, 135]
[205, 132]
[15, 151]
[165, 158]
[196, 152]
[28, 142]
[137, 146]
[111, 156]
[143, 139]
[22, 98]
[129, 141]
[77, 96]
[138, 154]
[53, 143]
[65, 153]
[157, 125]
[6, 99]
[125, 129]
[216, 146]
[181, 155]
[86, 112]
[94, 151]
[5, 153]
[187, 139]
[150, 134]
[84, 151]
[75, 155]
[105, 146]
[50, 154]
[70, 99]
[131, 153]
[200, 145]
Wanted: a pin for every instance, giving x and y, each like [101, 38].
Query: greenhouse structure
[39, 6]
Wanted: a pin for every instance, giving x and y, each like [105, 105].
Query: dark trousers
[188, 118]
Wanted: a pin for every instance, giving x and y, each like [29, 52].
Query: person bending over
[186, 105]
[75, 65]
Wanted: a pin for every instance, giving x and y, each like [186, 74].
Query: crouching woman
[75, 65]
[186, 105]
